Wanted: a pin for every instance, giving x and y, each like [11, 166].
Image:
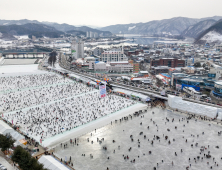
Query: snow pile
[18, 69]
[212, 36]
[130, 28]
[22, 37]
[219, 117]
[178, 103]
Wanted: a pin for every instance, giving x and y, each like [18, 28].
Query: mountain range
[182, 26]
[33, 27]
[38, 30]
[175, 26]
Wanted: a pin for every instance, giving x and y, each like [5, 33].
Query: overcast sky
[107, 12]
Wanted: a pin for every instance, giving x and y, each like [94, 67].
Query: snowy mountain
[194, 30]
[212, 34]
[173, 26]
[38, 30]
[60, 27]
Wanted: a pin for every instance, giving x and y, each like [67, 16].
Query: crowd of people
[172, 142]
[46, 111]
[43, 94]
[27, 81]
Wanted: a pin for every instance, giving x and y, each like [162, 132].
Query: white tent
[127, 92]
[5, 128]
[51, 163]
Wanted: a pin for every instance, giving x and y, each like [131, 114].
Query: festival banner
[102, 91]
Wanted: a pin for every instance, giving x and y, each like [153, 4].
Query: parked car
[208, 98]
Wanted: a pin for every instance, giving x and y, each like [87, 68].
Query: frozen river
[162, 153]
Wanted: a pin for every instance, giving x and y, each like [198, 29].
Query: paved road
[6, 164]
[120, 85]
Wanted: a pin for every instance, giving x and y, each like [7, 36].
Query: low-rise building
[114, 55]
[123, 66]
[170, 62]
[97, 66]
[160, 69]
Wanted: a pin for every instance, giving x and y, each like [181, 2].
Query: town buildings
[113, 55]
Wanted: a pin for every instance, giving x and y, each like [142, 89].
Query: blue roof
[166, 75]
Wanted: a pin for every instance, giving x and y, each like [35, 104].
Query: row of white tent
[6, 129]
[51, 163]
[130, 93]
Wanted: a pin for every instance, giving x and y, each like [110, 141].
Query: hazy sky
[106, 12]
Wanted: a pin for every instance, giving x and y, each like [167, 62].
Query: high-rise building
[96, 35]
[91, 34]
[87, 34]
[77, 49]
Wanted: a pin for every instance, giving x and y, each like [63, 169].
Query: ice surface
[178, 103]
[161, 150]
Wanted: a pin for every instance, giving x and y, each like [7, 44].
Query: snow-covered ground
[130, 28]
[22, 37]
[212, 36]
[18, 69]
[162, 153]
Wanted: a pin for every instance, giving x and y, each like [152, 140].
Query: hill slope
[38, 30]
[171, 26]
[212, 34]
[194, 30]
[60, 27]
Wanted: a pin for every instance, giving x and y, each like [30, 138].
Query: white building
[96, 35]
[113, 55]
[87, 34]
[121, 66]
[97, 66]
[219, 47]
[77, 49]
[91, 34]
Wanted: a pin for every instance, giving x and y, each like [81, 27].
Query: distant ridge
[174, 26]
[60, 27]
